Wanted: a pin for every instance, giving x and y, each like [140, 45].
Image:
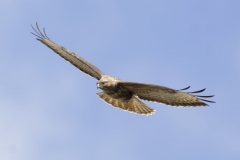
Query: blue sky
[49, 109]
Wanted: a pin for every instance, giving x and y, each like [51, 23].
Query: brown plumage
[124, 94]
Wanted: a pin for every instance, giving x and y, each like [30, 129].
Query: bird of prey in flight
[126, 95]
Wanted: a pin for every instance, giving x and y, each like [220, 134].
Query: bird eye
[103, 83]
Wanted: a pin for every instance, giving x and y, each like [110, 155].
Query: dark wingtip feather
[200, 97]
[207, 101]
[36, 35]
[184, 88]
[198, 91]
[38, 32]
[205, 96]
[35, 32]
[45, 33]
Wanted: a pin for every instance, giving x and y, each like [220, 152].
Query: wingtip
[38, 32]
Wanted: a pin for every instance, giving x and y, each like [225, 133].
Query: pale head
[107, 82]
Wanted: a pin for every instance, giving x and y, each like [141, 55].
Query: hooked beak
[98, 85]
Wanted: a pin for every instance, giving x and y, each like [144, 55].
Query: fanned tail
[132, 105]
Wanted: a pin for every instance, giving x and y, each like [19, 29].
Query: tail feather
[132, 105]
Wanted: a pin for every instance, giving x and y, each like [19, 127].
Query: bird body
[125, 95]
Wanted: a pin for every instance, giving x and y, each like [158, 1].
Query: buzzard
[126, 95]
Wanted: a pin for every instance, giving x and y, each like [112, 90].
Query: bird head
[106, 83]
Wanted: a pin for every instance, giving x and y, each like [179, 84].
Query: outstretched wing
[74, 59]
[165, 95]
